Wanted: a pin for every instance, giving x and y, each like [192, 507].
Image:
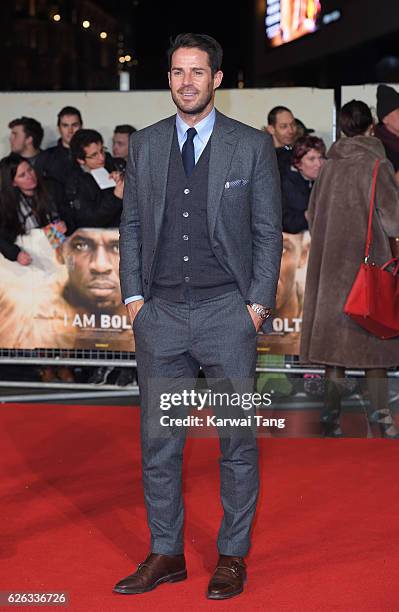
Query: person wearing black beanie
[387, 130]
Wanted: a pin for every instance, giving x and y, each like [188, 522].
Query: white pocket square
[236, 183]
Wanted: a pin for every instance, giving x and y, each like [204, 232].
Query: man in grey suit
[200, 249]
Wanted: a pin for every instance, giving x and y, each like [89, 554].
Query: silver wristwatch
[262, 312]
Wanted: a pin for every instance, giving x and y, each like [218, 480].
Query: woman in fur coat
[338, 215]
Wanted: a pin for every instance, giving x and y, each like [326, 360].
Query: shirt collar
[204, 127]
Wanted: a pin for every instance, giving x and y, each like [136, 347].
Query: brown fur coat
[338, 214]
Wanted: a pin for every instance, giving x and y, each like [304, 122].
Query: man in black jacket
[282, 128]
[25, 139]
[120, 140]
[58, 160]
[88, 204]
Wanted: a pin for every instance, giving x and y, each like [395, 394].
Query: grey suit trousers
[172, 341]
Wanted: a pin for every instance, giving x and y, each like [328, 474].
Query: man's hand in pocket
[133, 308]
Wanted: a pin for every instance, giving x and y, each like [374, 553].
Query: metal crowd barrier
[117, 359]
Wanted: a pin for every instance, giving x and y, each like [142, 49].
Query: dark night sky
[153, 23]
[232, 23]
[360, 47]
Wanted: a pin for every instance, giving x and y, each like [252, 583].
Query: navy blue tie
[187, 152]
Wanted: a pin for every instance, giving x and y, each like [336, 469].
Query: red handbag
[373, 301]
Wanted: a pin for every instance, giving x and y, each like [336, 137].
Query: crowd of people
[71, 185]
[329, 193]
[77, 184]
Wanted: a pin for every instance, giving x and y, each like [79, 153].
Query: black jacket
[390, 142]
[58, 163]
[38, 162]
[295, 193]
[284, 158]
[87, 205]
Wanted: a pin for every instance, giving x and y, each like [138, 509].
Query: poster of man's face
[92, 260]
[291, 282]
[68, 297]
[289, 300]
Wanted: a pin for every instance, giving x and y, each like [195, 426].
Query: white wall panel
[103, 110]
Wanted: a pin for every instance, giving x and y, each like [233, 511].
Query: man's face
[94, 156]
[191, 82]
[18, 139]
[284, 131]
[120, 145]
[291, 260]
[69, 124]
[391, 122]
[92, 258]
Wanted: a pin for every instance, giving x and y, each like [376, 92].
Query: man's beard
[196, 110]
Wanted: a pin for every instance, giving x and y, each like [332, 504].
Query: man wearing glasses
[94, 191]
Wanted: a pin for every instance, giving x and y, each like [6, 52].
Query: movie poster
[286, 336]
[68, 297]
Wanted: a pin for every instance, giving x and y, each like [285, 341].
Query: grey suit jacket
[243, 208]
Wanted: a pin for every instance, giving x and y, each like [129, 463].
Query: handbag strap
[389, 262]
[370, 222]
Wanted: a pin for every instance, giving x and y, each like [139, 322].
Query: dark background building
[45, 45]
[358, 44]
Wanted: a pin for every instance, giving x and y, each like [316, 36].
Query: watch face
[261, 311]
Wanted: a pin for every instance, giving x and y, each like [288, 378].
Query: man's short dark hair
[81, 139]
[355, 117]
[125, 128]
[272, 116]
[199, 41]
[31, 128]
[69, 110]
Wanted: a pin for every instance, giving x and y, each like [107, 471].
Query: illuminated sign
[287, 20]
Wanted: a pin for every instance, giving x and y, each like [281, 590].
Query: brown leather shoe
[228, 578]
[155, 570]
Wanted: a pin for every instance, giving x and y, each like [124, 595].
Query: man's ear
[81, 162]
[217, 79]
[270, 129]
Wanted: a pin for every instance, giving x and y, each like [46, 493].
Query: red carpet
[72, 517]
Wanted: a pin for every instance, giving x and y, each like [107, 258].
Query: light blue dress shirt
[204, 132]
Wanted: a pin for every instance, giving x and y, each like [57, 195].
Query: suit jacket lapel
[223, 144]
[160, 147]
